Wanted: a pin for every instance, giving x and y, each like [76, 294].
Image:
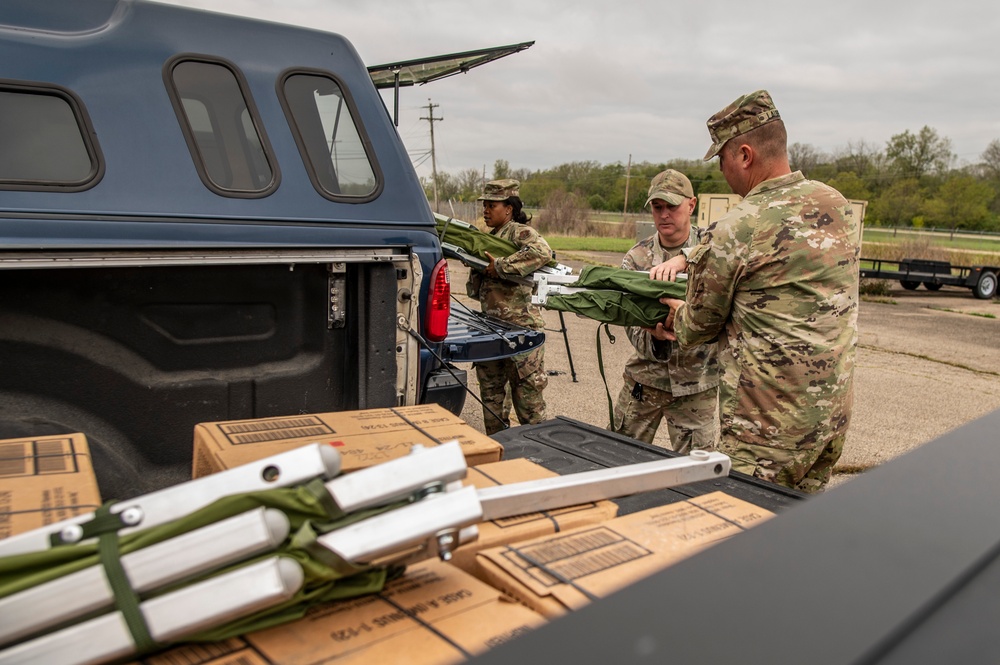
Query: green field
[877, 244]
[574, 244]
[973, 243]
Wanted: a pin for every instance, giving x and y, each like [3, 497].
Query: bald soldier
[778, 275]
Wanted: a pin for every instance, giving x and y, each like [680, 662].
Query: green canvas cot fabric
[311, 512]
[619, 297]
[614, 307]
[615, 296]
[629, 281]
[472, 240]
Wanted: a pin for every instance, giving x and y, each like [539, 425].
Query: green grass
[985, 244]
[573, 244]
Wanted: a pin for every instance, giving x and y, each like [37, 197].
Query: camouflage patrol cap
[746, 113]
[671, 186]
[500, 190]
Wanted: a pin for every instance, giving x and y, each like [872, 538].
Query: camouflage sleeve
[474, 283]
[629, 262]
[714, 268]
[646, 347]
[534, 253]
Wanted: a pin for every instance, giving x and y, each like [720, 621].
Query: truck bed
[568, 446]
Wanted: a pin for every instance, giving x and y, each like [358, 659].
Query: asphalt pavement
[927, 363]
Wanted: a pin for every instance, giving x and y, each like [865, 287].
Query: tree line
[914, 180]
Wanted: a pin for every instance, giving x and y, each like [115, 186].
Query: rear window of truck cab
[334, 147]
[46, 140]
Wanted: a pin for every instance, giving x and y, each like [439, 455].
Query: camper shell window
[47, 140]
[222, 128]
[335, 149]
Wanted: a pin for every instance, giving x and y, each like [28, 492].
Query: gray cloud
[608, 79]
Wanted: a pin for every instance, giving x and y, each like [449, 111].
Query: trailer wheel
[931, 286]
[986, 285]
[909, 286]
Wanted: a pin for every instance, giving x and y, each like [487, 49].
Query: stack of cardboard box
[521, 571]
[44, 480]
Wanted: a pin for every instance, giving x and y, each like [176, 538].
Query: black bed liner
[567, 446]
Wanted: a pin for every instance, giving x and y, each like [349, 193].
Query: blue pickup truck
[203, 218]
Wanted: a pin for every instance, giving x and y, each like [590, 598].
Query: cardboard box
[522, 527]
[564, 571]
[44, 480]
[363, 438]
[432, 615]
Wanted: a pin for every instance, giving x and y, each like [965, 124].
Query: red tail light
[439, 307]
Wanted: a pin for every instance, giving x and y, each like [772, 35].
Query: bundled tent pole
[283, 470]
[87, 591]
[446, 514]
[169, 617]
[227, 541]
[424, 470]
[417, 506]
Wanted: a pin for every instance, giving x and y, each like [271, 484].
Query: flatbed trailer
[911, 273]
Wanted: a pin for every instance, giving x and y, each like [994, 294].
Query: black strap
[544, 513]
[402, 416]
[445, 365]
[555, 574]
[600, 365]
[720, 516]
[416, 617]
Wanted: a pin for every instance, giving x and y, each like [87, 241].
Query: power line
[431, 119]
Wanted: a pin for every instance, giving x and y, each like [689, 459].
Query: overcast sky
[612, 78]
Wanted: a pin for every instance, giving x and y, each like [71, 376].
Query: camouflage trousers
[524, 376]
[692, 420]
[803, 469]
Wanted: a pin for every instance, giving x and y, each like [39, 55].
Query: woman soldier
[510, 301]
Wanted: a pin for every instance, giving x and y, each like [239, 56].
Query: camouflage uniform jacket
[779, 272]
[506, 300]
[664, 365]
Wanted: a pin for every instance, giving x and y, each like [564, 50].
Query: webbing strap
[600, 365]
[104, 527]
[444, 229]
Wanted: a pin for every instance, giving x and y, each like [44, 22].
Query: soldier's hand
[668, 325]
[661, 333]
[491, 269]
[669, 269]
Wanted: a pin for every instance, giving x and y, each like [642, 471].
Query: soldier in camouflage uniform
[510, 301]
[779, 274]
[661, 379]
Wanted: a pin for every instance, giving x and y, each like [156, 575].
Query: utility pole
[434, 171]
[628, 175]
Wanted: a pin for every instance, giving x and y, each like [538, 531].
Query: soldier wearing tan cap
[777, 280]
[663, 381]
[524, 373]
